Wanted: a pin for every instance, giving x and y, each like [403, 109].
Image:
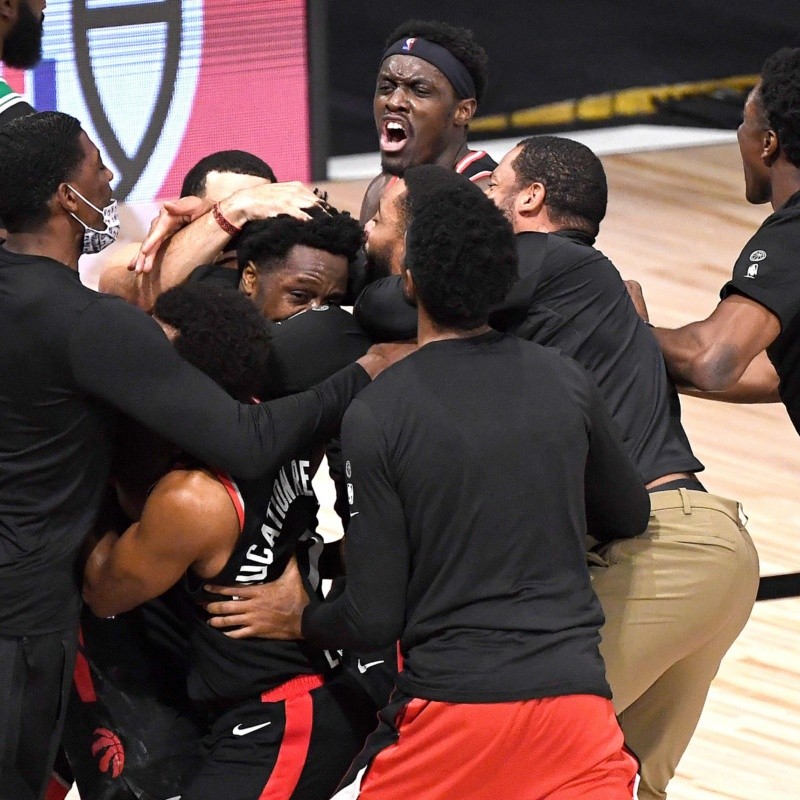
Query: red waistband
[294, 687]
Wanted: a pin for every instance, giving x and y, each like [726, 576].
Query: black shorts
[131, 732]
[294, 744]
[35, 673]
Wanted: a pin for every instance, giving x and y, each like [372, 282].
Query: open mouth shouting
[395, 134]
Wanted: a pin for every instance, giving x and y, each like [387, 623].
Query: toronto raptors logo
[109, 748]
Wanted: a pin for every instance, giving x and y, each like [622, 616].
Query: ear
[248, 283]
[66, 197]
[770, 147]
[465, 111]
[531, 200]
[8, 12]
[409, 290]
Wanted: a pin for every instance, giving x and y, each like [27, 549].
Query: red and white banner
[158, 84]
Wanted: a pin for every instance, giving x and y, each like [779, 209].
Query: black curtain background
[542, 51]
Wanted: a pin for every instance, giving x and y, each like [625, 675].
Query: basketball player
[746, 350]
[431, 78]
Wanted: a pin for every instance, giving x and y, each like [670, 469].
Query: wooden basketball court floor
[676, 222]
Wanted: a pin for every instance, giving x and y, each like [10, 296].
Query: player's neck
[43, 243]
[429, 331]
[785, 182]
[453, 153]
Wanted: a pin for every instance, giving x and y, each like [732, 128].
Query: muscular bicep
[186, 522]
[713, 354]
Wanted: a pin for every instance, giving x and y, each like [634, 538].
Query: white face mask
[93, 240]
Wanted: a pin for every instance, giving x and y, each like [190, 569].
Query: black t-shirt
[768, 271]
[70, 358]
[570, 296]
[473, 466]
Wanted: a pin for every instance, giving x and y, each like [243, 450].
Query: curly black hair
[780, 99]
[38, 152]
[267, 242]
[577, 190]
[222, 333]
[239, 162]
[459, 41]
[460, 248]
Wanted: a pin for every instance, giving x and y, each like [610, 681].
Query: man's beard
[377, 266]
[22, 48]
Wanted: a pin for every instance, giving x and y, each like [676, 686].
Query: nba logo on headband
[409, 44]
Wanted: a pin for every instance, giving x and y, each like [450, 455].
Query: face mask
[93, 240]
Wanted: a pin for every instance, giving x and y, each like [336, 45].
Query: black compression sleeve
[371, 611]
[121, 355]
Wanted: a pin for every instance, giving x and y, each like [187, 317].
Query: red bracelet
[228, 227]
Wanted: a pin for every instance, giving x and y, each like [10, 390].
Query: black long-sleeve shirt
[473, 466]
[570, 296]
[71, 358]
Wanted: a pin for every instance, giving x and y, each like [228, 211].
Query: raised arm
[190, 232]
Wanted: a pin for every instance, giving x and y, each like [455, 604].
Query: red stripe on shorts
[83, 675]
[294, 749]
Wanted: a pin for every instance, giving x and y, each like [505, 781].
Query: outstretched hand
[265, 610]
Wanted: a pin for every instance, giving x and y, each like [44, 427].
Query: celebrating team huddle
[534, 590]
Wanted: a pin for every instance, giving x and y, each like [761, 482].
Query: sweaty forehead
[407, 68]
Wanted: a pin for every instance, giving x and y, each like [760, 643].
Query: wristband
[228, 227]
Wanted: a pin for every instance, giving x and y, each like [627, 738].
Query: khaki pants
[675, 599]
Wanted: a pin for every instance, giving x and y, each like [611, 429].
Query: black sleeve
[341, 506]
[370, 613]
[120, 354]
[766, 270]
[216, 275]
[617, 504]
[16, 110]
[384, 313]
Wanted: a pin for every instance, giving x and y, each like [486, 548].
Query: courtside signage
[158, 84]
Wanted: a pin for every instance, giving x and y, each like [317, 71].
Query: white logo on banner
[128, 71]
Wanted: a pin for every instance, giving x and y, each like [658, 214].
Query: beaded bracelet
[228, 227]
